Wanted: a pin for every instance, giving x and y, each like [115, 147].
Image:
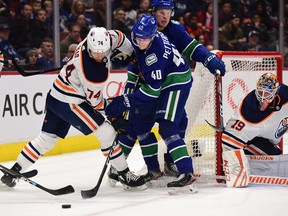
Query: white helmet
[98, 40]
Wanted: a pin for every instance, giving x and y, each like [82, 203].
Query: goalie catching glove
[213, 63]
[119, 104]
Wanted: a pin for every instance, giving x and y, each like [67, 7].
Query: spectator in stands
[31, 60]
[206, 19]
[191, 24]
[48, 7]
[36, 6]
[72, 37]
[84, 26]
[144, 6]
[6, 47]
[253, 42]
[232, 33]
[119, 22]
[78, 8]
[63, 20]
[99, 14]
[225, 13]
[70, 53]
[184, 6]
[22, 30]
[45, 59]
[130, 12]
[42, 27]
[258, 25]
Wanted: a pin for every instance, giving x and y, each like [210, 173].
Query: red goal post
[243, 71]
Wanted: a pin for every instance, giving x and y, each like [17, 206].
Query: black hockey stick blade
[220, 129]
[28, 174]
[86, 194]
[32, 73]
[61, 191]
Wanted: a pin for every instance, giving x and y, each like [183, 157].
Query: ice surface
[82, 170]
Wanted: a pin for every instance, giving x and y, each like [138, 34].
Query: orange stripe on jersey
[250, 148]
[31, 153]
[100, 105]
[121, 37]
[66, 88]
[116, 150]
[229, 140]
[83, 115]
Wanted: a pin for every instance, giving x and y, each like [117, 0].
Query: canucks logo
[282, 128]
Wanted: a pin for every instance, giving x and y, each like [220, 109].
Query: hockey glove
[119, 104]
[119, 124]
[213, 64]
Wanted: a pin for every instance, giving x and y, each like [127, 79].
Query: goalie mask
[266, 89]
[98, 40]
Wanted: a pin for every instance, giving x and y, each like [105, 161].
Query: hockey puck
[66, 206]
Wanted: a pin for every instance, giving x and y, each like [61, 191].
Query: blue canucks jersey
[162, 67]
[188, 46]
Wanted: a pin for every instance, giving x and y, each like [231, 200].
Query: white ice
[82, 170]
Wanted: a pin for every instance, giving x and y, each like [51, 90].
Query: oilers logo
[282, 128]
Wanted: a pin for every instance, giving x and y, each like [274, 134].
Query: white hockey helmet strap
[98, 40]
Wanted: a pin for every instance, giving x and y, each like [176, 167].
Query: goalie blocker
[240, 170]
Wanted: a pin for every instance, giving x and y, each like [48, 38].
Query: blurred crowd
[26, 26]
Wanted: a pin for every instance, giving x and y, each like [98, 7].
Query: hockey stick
[219, 128]
[61, 191]
[25, 74]
[28, 174]
[93, 192]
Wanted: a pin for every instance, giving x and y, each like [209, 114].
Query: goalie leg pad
[236, 168]
[268, 165]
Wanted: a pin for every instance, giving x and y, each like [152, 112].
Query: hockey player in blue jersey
[192, 50]
[168, 80]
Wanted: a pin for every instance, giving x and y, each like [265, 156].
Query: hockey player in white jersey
[76, 99]
[258, 125]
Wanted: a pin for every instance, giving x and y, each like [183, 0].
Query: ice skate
[113, 176]
[154, 178]
[170, 169]
[184, 184]
[131, 181]
[10, 180]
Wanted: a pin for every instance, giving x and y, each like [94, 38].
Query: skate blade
[188, 189]
[111, 182]
[138, 188]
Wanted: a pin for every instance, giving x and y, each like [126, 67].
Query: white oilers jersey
[82, 78]
[249, 122]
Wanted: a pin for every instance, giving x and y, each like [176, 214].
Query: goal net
[243, 71]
